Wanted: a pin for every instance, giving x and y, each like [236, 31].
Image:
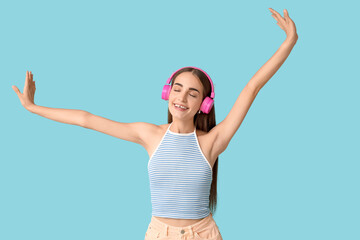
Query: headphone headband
[212, 95]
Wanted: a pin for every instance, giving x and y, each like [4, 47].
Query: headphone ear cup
[166, 92]
[206, 105]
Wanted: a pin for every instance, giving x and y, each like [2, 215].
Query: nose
[182, 97]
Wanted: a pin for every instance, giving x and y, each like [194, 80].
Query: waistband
[186, 231]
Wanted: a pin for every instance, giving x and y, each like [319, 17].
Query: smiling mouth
[180, 108]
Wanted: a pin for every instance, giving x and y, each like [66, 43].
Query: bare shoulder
[149, 132]
[148, 129]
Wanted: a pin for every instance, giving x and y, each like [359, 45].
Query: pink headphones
[208, 102]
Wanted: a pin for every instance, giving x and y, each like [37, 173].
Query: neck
[182, 127]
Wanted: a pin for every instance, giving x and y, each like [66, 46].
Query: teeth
[180, 106]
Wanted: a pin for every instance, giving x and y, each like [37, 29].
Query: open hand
[285, 23]
[27, 97]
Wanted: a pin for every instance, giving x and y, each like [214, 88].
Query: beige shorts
[206, 229]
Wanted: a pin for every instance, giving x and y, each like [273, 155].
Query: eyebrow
[189, 88]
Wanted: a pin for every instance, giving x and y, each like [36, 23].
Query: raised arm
[69, 116]
[137, 132]
[226, 129]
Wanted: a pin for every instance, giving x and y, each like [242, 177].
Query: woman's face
[187, 91]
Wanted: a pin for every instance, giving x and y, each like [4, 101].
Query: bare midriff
[178, 222]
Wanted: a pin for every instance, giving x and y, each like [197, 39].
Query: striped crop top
[180, 177]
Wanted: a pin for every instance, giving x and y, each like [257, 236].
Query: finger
[277, 19]
[26, 80]
[274, 16]
[286, 15]
[17, 91]
[277, 15]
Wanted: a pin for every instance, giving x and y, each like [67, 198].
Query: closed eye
[189, 94]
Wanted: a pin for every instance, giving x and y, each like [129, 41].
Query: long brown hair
[204, 122]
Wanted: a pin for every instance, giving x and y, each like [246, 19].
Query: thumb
[286, 13]
[15, 89]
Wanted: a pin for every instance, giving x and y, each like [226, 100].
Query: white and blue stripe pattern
[180, 177]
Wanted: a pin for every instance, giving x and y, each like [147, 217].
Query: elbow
[84, 119]
[253, 89]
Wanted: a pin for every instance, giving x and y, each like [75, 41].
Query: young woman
[183, 153]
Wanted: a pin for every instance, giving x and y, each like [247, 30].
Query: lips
[180, 109]
[180, 105]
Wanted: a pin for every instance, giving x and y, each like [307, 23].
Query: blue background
[291, 171]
